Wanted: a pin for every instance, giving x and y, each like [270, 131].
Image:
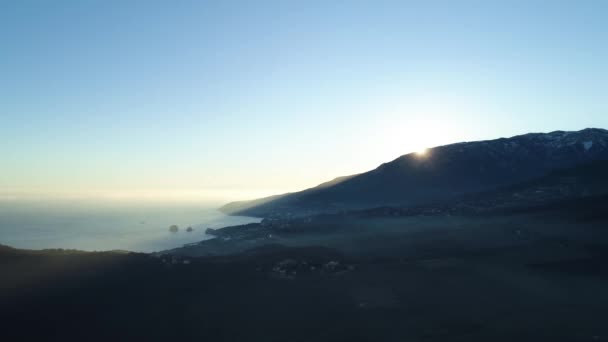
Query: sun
[422, 152]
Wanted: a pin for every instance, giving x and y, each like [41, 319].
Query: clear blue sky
[234, 98]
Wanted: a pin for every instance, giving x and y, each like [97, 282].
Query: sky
[238, 99]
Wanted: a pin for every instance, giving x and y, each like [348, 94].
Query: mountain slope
[584, 187]
[444, 172]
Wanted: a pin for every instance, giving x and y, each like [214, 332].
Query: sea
[102, 226]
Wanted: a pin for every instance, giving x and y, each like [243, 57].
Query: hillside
[444, 172]
[582, 189]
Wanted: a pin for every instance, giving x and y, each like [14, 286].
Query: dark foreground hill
[438, 278]
[443, 173]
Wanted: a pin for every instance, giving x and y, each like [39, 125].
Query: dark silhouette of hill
[581, 189]
[444, 172]
[577, 194]
[581, 184]
[514, 279]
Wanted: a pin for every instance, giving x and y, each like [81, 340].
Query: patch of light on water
[131, 227]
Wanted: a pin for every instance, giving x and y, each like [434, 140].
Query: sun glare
[422, 152]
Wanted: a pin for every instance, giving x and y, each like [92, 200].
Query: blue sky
[242, 98]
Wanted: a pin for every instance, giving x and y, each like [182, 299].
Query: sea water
[91, 226]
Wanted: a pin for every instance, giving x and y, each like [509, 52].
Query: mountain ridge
[444, 172]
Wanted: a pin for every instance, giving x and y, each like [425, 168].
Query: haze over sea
[108, 225]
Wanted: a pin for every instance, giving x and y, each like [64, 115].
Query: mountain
[584, 187]
[443, 173]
